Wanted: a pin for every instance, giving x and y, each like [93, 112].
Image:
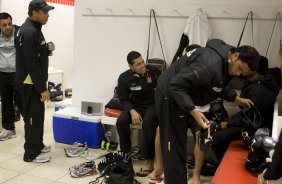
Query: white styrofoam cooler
[63, 104]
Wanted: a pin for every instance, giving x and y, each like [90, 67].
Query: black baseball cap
[39, 4]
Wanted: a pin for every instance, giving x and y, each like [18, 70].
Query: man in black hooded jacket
[193, 81]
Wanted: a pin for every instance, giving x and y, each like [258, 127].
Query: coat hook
[176, 11]
[90, 10]
[110, 10]
[131, 10]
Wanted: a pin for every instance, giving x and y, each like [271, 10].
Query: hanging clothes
[198, 28]
[184, 42]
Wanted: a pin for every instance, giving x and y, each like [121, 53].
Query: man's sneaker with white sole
[46, 149]
[7, 134]
[42, 158]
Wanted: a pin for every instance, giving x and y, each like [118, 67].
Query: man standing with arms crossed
[32, 75]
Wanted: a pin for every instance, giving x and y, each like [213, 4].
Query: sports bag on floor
[116, 168]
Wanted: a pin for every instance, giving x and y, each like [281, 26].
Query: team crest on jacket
[149, 79]
[216, 89]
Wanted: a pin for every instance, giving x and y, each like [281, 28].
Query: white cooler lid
[64, 103]
[75, 113]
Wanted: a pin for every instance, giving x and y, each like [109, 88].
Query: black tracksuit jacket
[199, 79]
[262, 92]
[136, 90]
[32, 55]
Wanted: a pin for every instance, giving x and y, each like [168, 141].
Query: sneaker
[135, 155]
[42, 158]
[90, 155]
[73, 146]
[7, 134]
[209, 168]
[76, 149]
[84, 169]
[76, 167]
[46, 149]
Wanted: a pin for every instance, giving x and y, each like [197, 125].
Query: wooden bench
[232, 167]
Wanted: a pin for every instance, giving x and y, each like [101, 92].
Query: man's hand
[135, 117]
[200, 118]
[51, 46]
[45, 96]
[223, 124]
[243, 101]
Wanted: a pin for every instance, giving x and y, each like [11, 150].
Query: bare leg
[158, 171]
[199, 159]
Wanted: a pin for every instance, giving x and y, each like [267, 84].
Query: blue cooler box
[69, 126]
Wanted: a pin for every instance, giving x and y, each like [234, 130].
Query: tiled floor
[13, 170]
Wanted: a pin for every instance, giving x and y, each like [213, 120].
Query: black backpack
[114, 103]
[248, 120]
[116, 168]
[217, 112]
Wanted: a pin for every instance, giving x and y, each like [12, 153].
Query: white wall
[102, 42]
[59, 29]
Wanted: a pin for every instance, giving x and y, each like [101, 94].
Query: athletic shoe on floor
[74, 145]
[84, 169]
[90, 155]
[136, 153]
[46, 149]
[76, 149]
[7, 134]
[73, 168]
[42, 158]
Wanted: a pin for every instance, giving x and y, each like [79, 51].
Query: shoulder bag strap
[252, 21]
[278, 17]
[148, 48]
[280, 29]
[152, 13]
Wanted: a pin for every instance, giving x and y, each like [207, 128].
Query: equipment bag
[114, 103]
[248, 120]
[116, 168]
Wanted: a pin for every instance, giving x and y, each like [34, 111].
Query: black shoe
[209, 168]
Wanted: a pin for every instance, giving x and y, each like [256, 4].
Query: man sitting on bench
[136, 91]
